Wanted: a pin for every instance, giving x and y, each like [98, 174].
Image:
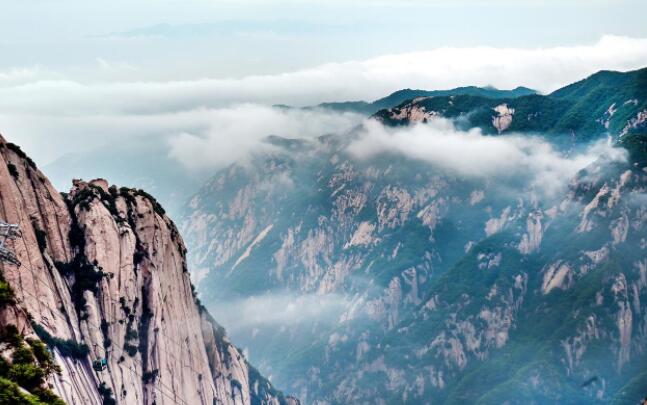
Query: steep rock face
[441, 278]
[508, 324]
[371, 234]
[105, 268]
[452, 288]
[503, 119]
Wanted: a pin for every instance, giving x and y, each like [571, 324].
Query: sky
[174, 40]
[91, 73]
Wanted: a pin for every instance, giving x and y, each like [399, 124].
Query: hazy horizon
[90, 75]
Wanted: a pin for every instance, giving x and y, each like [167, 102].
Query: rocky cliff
[104, 277]
[453, 288]
[444, 283]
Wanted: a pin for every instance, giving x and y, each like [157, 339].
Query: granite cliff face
[104, 276]
[453, 289]
[439, 276]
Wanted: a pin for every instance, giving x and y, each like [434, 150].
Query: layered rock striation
[104, 278]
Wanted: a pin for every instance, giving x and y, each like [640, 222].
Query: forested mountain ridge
[430, 285]
[606, 102]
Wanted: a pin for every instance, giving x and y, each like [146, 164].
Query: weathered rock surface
[442, 280]
[105, 267]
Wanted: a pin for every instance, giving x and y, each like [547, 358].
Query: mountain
[101, 309]
[606, 102]
[400, 96]
[142, 162]
[393, 279]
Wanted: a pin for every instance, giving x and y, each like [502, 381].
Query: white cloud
[278, 309]
[36, 105]
[542, 68]
[473, 154]
[197, 138]
[234, 132]
[18, 76]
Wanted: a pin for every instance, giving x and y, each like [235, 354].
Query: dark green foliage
[86, 278]
[83, 198]
[6, 293]
[16, 149]
[130, 349]
[106, 395]
[105, 329]
[68, 348]
[138, 257]
[27, 375]
[76, 236]
[144, 325]
[47, 396]
[41, 238]
[157, 207]
[580, 110]
[22, 355]
[404, 95]
[13, 170]
[130, 196]
[10, 394]
[43, 356]
[636, 145]
[11, 335]
[131, 334]
[4, 366]
[150, 376]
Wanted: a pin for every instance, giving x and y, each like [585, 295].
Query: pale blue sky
[170, 39]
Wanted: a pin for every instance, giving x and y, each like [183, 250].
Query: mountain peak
[104, 283]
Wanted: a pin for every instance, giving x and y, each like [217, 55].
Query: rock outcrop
[104, 272]
[436, 277]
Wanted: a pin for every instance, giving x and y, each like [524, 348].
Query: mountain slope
[557, 325]
[142, 162]
[104, 276]
[396, 98]
[445, 283]
[607, 102]
[408, 282]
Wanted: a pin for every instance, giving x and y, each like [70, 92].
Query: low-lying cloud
[278, 309]
[544, 69]
[472, 154]
[199, 138]
[37, 105]
[233, 133]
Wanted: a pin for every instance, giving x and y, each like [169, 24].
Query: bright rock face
[412, 113]
[106, 268]
[438, 281]
[503, 119]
